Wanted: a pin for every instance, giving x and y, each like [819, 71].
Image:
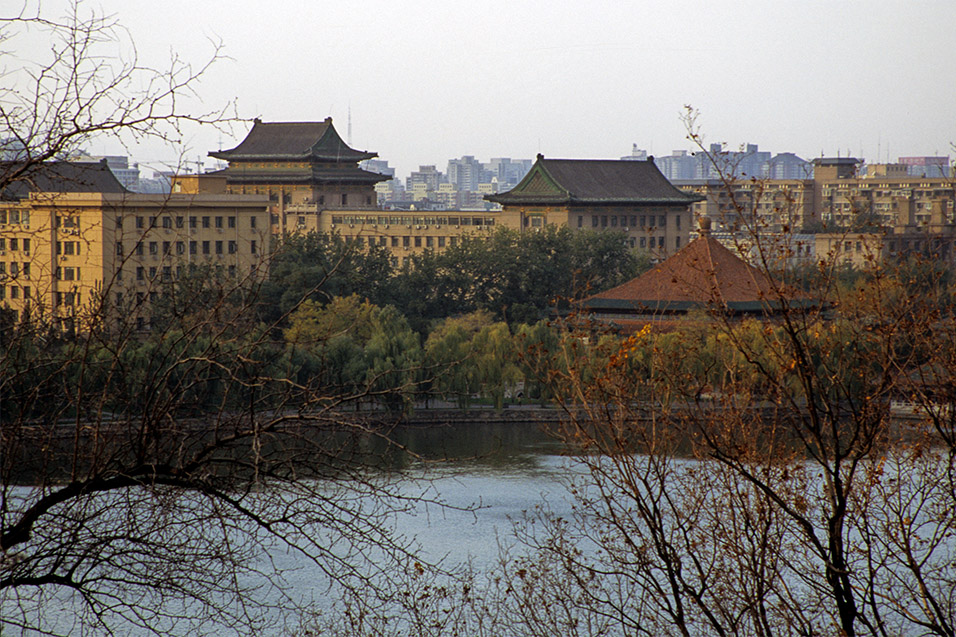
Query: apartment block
[83, 244]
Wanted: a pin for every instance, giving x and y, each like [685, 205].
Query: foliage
[515, 276]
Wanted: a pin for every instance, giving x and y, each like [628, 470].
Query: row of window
[15, 217]
[180, 247]
[16, 269]
[642, 221]
[15, 292]
[383, 220]
[166, 273]
[167, 222]
[14, 244]
[405, 242]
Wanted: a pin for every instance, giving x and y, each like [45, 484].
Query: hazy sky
[427, 81]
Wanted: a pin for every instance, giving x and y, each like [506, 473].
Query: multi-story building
[927, 166]
[912, 214]
[302, 168]
[466, 173]
[74, 242]
[630, 196]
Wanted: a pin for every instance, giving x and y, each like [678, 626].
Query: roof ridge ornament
[703, 225]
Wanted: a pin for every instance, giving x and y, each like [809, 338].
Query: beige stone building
[303, 168]
[595, 194]
[74, 243]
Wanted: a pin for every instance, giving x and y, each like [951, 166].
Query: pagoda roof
[57, 176]
[704, 274]
[594, 181]
[293, 141]
[343, 175]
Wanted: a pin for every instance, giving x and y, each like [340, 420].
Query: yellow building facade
[72, 256]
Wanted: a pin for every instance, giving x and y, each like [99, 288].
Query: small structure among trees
[705, 275]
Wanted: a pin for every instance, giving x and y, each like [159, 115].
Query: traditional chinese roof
[594, 181]
[293, 141]
[57, 176]
[705, 275]
[315, 175]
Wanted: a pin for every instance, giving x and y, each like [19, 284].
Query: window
[14, 292]
[345, 199]
[441, 242]
[167, 273]
[633, 222]
[580, 221]
[429, 242]
[394, 242]
[660, 242]
[321, 200]
[643, 242]
[119, 249]
[26, 291]
[662, 221]
[139, 248]
[179, 222]
[677, 221]
[167, 223]
[219, 247]
[613, 221]
[418, 242]
[68, 247]
[219, 222]
[180, 247]
[205, 247]
[153, 248]
[406, 242]
[232, 271]
[232, 247]
[166, 247]
[252, 221]
[152, 272]
[193, 222]
[15, 245]
[677, 242]
[26, 269]
[193, 247]
[643, 221]
[3, 243]
[139, 223]
[205, 222]
[152, 222]
[231, 222]
[604, 221]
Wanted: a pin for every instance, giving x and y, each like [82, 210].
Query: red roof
[703, 274]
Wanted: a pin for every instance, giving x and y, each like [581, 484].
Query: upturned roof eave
[529, 199]
[350, 156]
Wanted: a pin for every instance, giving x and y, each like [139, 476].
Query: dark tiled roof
[59, 176]
[594, 181]
[293, 141]
[704, 274]
[344, 175]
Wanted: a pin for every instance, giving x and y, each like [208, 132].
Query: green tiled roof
[594, 181]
